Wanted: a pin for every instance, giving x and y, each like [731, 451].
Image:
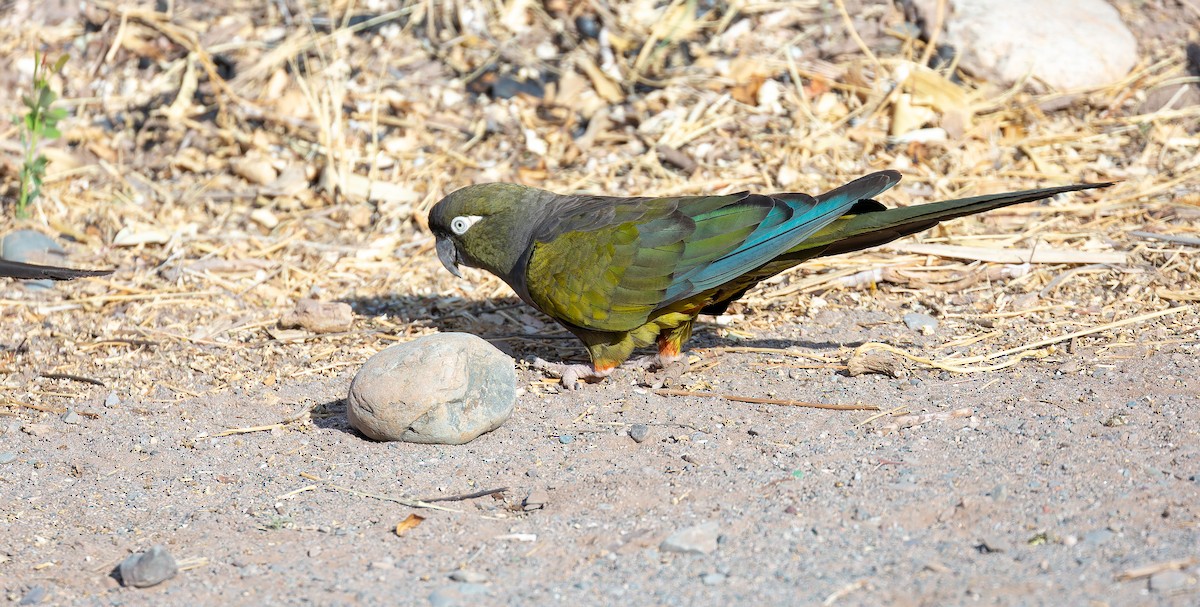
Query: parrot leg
[654, 361]
[669, 359]
[572, 375]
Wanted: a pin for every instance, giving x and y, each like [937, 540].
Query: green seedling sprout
[39, 124]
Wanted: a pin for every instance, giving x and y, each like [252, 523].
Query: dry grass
[232, 162]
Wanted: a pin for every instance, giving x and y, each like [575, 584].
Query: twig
[412, 503]
[779, 351]
[43, 409]
[841, 6]
[881, 414]
[765, 401]
[78, 378]
[908, 421]
[1018, 353]
[1148, 570]
[247, 430]
[1175, 238]
[466, 496]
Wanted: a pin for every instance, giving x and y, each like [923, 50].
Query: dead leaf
[409, 524]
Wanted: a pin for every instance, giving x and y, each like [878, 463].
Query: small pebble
[7, 457]
[700, 539]
[639, 432]
[112, 400]
[456, 595]
[588, 26]
[144, 569]
[921, 323]
[992, 545]
[319, 316]
[536, 500]
[468, 576]
[71, 417]
[1098, 536]
[712, 579]
[566, 439]
[1170, 581]
[34, 596]
[37, 429]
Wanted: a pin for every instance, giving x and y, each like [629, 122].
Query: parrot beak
[447, 252]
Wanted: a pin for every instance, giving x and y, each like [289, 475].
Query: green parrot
[623, 273]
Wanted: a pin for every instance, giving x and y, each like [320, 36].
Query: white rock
[1065, 43]
[701, 539]
[769, 95]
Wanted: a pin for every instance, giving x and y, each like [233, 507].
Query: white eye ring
[459, 225]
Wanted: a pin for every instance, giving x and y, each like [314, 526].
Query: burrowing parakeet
[623, 273]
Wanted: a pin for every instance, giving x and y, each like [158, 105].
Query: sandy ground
[1071, 477]
[1059, 485]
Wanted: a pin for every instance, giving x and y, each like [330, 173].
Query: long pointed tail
[29, 271]
[876, 225]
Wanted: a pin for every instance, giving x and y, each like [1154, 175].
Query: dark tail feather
[865, 187]
[29, 271]
[877, 227]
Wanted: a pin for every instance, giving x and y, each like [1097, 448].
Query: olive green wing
[610, 264]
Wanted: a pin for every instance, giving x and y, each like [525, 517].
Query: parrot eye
[459, 225]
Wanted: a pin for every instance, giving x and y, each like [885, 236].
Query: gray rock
[700, 539]
[8, 457]
[31, 246]
[148, 568]
[1066, 43]
[446, 388]
[112, 400]
[1171, 581]
[34, 596]
[1098, 536]
[712, 579]
[922, 323]
[71, 417]
[566, 439]
[639, 432]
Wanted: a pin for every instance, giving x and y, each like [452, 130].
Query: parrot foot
[672, 367]
[571, 375]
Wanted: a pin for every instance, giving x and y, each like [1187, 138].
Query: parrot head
[481, 226]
